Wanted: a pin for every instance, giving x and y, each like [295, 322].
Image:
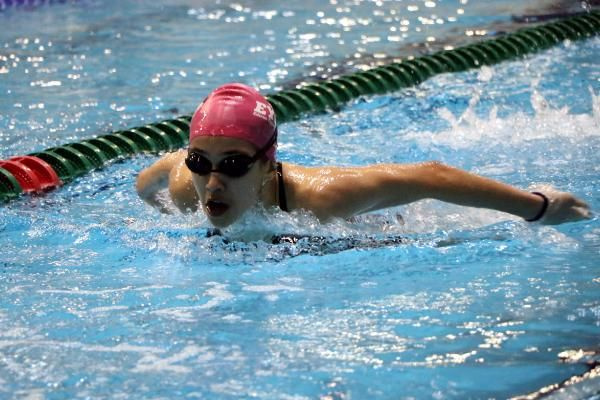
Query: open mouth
[216, 208]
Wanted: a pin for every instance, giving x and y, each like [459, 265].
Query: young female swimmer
[230, 166]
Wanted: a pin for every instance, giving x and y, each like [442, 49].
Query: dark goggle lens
[234, 166]
[198, 164]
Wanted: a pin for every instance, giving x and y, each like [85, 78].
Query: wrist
[542, 211]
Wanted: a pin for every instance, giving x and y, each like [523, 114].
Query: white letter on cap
[261, 111]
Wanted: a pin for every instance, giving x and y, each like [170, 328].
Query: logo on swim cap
[265, 111]
[238, 111]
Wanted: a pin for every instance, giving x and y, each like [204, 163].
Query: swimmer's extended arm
[352, 191]
[168, 171]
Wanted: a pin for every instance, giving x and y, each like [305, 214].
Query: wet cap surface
[238, 111]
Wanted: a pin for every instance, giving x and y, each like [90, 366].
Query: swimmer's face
[224, 198]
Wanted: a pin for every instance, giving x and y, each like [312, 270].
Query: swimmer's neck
[268, 195]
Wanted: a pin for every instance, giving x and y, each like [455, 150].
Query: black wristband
[544, 207]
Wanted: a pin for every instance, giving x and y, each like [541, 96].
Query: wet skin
[330, 191]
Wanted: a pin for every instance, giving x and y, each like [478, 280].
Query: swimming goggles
[233, 166]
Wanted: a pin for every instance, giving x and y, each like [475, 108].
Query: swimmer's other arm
[168, 172]
[352, 191]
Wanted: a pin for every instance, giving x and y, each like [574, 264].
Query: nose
[214, 183]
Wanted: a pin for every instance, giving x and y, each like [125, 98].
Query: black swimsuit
[281, 186]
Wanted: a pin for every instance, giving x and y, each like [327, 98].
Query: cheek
[247, 192]
[199, 185]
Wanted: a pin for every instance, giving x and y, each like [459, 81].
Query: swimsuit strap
[281, 186]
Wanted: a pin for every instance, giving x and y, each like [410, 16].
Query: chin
[222, 221]
[219, 223]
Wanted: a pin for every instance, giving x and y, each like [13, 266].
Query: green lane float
[107, 147]
[75, 159]
[63, 167]
[9, 186]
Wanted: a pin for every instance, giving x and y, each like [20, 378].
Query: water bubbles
[485, 73]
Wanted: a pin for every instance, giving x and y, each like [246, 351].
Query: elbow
[148, 182]
[434, 167]
[434, 178]
[436, 170]
[432, 171]
[141, 183]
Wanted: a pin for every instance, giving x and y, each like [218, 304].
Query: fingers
[581, 208]
[580, 203]
[584, 212]
[564, 207]
[571, 214]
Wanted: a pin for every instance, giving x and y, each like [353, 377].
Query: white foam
[16, 289]
[107, 309]
[15, 332]
[152, 363]
[270, 288]
[77, 291]
[181, 314]
[218, 293]
[468, 130]
[123, 348]
[31, 394]
[232, 318]
[120, 348]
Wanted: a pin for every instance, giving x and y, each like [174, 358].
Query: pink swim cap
[238, 111]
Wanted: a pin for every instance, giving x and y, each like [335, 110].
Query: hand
[563, 207]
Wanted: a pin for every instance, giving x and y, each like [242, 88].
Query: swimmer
[230, 167]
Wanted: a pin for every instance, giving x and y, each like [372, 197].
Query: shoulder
[324, 178]
[164, 164]
[330, 191]
[156, 176]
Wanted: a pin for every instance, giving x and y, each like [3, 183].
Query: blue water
[103, 297]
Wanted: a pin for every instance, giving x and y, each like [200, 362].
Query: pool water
[101, 296]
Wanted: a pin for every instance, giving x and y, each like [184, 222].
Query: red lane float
[33, 174]
[24, 175]
[45, 173]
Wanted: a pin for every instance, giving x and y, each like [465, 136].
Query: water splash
[470, 130]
